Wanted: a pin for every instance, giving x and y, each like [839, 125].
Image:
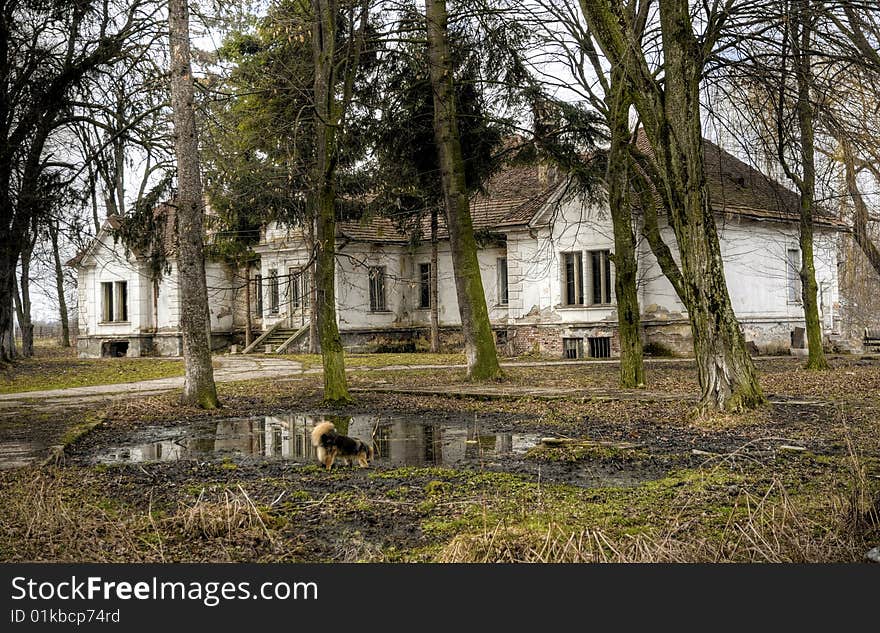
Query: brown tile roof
[510, 197]
[738, 189]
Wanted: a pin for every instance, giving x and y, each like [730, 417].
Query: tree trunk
[199, 388]
[632, 368]
[860, 209]
[59, 286]
[23, 296]
[482, 358]
[728, 380]
[314, 340]
[434, 290]
[328, 115]
[807, 186]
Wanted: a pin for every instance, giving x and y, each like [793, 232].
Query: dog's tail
[320, 430]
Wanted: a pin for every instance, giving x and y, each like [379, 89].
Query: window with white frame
[377, 289]
[425, 285]
[573, 279]
[502, 281]
[273, 291]
[793, 274]
[600, 276]
[114, 301]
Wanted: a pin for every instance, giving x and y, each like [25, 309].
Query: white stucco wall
[354, 259]
[108, 262]
[754, 258]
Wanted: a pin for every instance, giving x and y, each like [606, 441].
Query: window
[793, 276]
[273, 291]
[600, 346]
[298, 288]
[114, 301]
[258, 293]
[572, 348]
[377, 289]
[600, 264]
[502, 281]
[573, 278]
[424, 285]
[107, 301]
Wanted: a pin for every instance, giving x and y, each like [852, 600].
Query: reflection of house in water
[398, 442]
[404, 443]
[285, 437]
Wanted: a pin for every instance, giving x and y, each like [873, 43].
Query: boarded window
[600, 264]
[425, 285]
[572, 348]
[600, 346]
[573, 278]
[793, 266]
[502, 281]
[273, 291]
[377, 289]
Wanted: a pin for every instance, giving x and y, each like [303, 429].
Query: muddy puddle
[399, 441]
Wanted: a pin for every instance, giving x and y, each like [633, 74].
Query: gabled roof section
[739, 189]
[114, 223]
[510, 197]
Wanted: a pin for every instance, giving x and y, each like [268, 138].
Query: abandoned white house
[546, 269]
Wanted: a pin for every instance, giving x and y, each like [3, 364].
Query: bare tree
[670, 113]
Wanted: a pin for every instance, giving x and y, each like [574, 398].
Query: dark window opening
[572, 348]
[273, 291]
[114, 301]
[601, 276]
[377, 289]
[502, 281]
[572, 266]
[600, 346]
[424, 285]
[258, 293]
[114, 349]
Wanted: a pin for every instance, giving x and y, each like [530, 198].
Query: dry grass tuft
[233, 515]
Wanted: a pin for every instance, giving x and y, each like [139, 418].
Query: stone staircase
[277, 339]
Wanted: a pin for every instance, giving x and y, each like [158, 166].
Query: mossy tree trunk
[728, 380]
[198, 386]
[482, 358]
[332, 97]
[632, 367]
[670, 113]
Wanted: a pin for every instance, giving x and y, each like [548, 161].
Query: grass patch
[380, 360]
[43, 372]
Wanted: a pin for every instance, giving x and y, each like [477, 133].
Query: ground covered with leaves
[632, 478]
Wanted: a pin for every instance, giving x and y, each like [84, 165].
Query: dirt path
[231, 369]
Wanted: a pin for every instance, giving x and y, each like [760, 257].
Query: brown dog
[331, 445]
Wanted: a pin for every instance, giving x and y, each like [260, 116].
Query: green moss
[586, 451]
